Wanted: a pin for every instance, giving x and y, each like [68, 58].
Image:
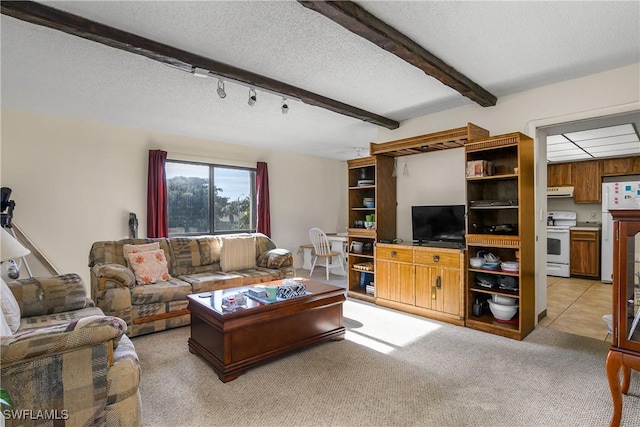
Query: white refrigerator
[615, 195]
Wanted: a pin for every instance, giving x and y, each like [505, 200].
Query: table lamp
[10, 249]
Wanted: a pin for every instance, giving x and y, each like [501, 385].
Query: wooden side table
[617, 359]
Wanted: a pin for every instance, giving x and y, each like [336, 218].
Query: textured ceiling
[505, 47]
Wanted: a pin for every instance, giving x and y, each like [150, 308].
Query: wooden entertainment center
[433, 281]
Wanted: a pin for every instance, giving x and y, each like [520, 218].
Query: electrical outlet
[593, 215]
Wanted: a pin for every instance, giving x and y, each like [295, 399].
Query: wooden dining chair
[322, 251]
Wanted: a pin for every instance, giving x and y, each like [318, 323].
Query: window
[210, 199]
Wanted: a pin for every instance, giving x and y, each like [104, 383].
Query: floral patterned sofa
[155, 298]
[64, 362]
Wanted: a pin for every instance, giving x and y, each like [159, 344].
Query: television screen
[438, 224]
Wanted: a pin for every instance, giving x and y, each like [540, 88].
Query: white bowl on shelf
[501, 299]
[476, 262]
[501, 311]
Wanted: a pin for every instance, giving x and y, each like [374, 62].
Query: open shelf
[496, 272]
[493, 207]
[379, 170]
[494, 291]
[363, 271]
[361, 294]
[369, 256]
[493, 177]
[488, 321]
[506, 231]
[437, 141]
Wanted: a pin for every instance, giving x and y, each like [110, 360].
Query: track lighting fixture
[285, 107]
[200, 72]
[221, 92]
[252, 97]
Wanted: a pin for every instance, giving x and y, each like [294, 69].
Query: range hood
[557, 192]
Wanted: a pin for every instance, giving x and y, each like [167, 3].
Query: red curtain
[262, 189]
[157, 212]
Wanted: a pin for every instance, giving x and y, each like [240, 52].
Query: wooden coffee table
[234, 341]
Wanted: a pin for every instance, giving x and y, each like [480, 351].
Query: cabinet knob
[394, 253]
[436, 258]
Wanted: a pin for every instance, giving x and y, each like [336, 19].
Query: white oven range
[558, 242]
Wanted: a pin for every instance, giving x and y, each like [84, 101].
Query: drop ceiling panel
[601, 133]
[601, 142]
[612, 143]
[568, 158]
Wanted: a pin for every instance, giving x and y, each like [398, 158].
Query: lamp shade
[10, 248]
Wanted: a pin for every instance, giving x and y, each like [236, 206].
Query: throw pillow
[149, 267]
[10, 307]
[134, 249]
[4, 326]
[238, 253]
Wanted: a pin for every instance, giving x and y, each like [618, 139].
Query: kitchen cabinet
[621, 166]
[624, 353]
[587, 181]
[559, 175]
[422, 280]
[369, 178]
[506, 228]
[586, 177]
[585, 253]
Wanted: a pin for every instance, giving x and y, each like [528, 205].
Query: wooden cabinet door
[585, 253]
[559, 175]
[438, 289]
[621, 166]
[587, 180]
[425, 292]
[395, 281]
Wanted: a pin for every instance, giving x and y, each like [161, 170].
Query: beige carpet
[392, 370]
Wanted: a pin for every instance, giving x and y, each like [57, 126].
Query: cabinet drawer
[437, 259]
[584, 235]
[394, 254]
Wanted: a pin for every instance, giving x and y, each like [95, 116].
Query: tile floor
[576, 306]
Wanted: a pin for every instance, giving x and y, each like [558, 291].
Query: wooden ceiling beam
[46, 16]
[357, 20]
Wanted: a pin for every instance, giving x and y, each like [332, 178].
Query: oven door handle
[557, 231]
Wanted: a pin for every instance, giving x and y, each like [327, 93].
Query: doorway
[548, 301]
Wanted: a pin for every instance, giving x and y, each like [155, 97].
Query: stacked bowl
[503, 308]
[369, 202]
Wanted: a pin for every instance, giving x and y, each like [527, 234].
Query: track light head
[200, 72]
[252, 97]
[285, 107]
[221, 93]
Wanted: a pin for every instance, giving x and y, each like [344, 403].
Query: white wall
[428, 183]
[74, 183]
[587, 97]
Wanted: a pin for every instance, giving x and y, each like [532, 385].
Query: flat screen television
[438, 224]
